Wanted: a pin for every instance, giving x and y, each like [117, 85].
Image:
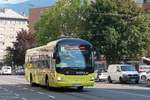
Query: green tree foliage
[64, 18]
[16, 54]
[9, 57]
[117, 28]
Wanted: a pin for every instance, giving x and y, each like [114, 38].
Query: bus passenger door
[52, 76]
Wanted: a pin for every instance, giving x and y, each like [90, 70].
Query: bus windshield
[74, 56]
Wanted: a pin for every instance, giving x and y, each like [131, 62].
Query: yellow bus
[66, 62]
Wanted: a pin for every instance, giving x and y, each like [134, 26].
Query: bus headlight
[92, 79]
[59, 78]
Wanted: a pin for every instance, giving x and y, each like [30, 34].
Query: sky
[24, 5]
[11, 1]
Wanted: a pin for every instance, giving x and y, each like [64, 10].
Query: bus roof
[52, 44]
[76, 40]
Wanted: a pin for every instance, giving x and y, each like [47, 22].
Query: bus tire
[46, 82]
[80, 88]
[31, 81]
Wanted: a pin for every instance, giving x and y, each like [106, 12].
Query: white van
[122, 73]
[7, 70]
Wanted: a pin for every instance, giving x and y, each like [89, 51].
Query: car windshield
[128, 68]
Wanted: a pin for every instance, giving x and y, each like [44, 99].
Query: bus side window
[52, 64]
[41, 63]
[50, 61]
[46, 63]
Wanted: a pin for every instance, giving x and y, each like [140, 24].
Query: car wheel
[143, 77]
[148, 82]
[121, 80]
[109, 79]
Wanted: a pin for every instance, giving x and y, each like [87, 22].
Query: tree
[117, 28]
[24, 41]
[9, 57]
[64, 18]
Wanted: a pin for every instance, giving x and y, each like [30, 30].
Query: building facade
[10, 24]
[144, 3]
[34, 16]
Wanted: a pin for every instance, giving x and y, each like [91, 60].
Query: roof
[9, 13]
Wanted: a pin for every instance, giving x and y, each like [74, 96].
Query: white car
[143, 76]
[148, 79]
[103, 76]
[7, 70]
[0, 72]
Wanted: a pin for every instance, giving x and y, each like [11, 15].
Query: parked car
[0, 72]
[103, 75]
[143, 71]
[143, 76]
[148, 79]
[100, 72]
[19, 70]
[144, 68]
[122, 73]
[7, 70]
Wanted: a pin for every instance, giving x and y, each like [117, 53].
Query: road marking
[25, 88]
[18, 86]
[24, 99]
[5, 89]
[32, 90]
[51, 96]
[133, 94]
[40, 92]
[17, 95]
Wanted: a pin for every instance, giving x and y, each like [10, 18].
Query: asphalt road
[16, 88]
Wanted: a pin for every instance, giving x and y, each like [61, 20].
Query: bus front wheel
[80, 88]
[46, 82]
[31, 80]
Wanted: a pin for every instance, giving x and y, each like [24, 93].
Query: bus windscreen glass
[75, 56]
[74, 59]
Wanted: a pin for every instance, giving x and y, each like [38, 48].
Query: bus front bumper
[73, 84]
